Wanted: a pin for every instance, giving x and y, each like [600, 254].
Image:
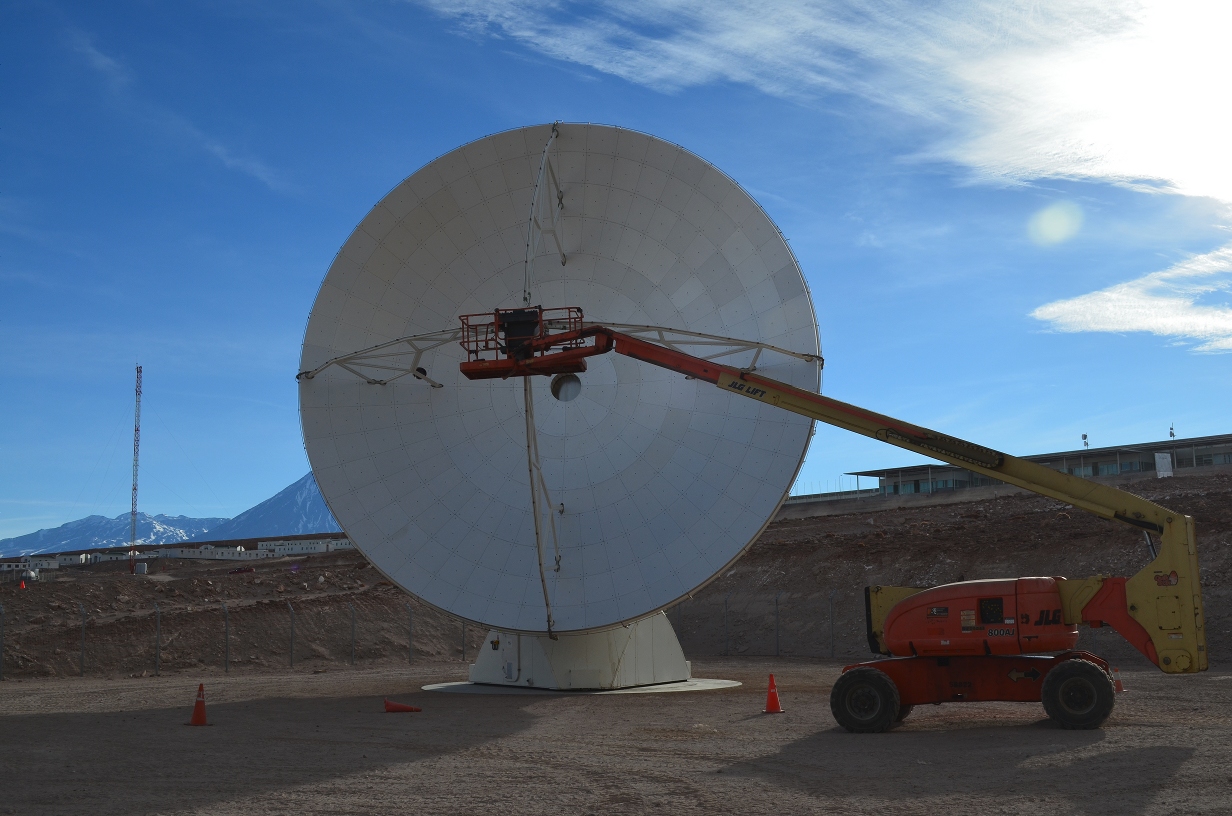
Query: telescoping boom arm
[1158, 610]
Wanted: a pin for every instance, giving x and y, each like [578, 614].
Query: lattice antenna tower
[132, 525]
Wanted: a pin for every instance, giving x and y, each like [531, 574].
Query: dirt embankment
[44, 622]
[803, 562]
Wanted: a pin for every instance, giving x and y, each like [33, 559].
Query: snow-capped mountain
[99, 531]
[296, 510]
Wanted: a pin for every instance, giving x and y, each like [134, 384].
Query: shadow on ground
[955, 757]
[144, 762]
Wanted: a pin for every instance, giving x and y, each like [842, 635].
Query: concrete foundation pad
[694, 684]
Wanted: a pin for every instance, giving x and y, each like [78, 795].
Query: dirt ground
[313, 739]
[303, 743]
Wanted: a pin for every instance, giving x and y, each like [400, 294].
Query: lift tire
[903, 711]
[865, 701]
[1078, 695]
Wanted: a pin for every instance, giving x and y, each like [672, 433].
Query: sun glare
[1055, 224]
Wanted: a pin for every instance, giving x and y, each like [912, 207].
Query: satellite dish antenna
[564, 511]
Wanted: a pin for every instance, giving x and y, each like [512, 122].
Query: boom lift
[968, 641]
[1009, 640]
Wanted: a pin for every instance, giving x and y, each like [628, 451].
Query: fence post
[726, 628]
[1, 642]
[776, 623]
[158, 639]
[410, 634]
[463, 641]
[292, 633]
[82, 663]
[226, 639]
[352, 608]
[832, 622]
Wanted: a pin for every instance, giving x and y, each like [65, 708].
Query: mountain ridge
[94, 532]
[297, 509]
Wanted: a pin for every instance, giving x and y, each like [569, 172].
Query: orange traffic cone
[398, 708]
[23, 584]
[1116, 681]
[772, 699]
[198, 715]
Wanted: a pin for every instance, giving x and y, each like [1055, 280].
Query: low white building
[32, 564]
[236, 550]
[102, 556]
[42, 561]
[251, 548]
[305, 546]
[220, 551]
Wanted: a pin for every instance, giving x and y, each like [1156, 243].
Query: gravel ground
[304, 743]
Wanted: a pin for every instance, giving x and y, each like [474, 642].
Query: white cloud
[1104, 89]
[119, 79]
[1128, 92]
[1165, 303]
[1140, 103]
[110, 68]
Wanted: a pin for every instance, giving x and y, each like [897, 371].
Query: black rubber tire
[865, 701]
[903, 711]
[1078, 695]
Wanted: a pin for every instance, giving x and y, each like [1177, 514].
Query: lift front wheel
[865, 701]
[1078, 694]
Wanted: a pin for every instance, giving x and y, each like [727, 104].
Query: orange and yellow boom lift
[1011, 639]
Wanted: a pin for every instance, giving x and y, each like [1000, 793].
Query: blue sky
[1014, 221]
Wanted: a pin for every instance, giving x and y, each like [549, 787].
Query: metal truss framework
[395, 359]
[387, 362]
[544, 216]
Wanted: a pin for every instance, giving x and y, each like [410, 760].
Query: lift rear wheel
[1078, 695]
[865, 701]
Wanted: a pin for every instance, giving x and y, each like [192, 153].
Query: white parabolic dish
[659, 482]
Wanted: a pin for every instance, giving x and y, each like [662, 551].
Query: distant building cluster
[29, 567]
[1167, 458]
